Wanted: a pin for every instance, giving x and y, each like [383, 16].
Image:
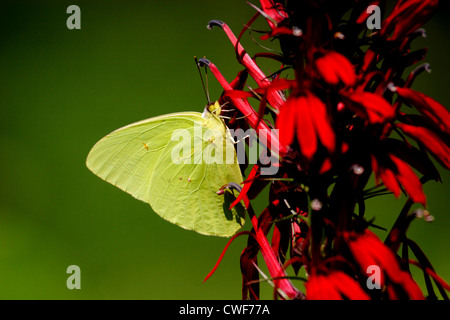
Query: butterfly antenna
[207, 85]
[205, 88]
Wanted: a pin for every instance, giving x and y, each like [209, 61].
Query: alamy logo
[374, 278]
[212, 146]
[74, 20]
[74, 280]
[374, 20]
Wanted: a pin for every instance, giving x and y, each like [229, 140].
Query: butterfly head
[212, 109]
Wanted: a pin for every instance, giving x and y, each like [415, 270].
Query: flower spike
[341, 99]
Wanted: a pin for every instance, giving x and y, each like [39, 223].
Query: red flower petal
[334, 67]
[247, 184]
[369, 59]
[411, 287]
[313, 288]
[427, 106]
[333, 286]
[318, 287]
[387, 176]
[377, 108]
[326, 165]
[307, 115]
[306, 135]
[286, 122]
[431, 141]
[326, 70]
[409, 181]
[344, 69]
[349, 287]
[407, 17]
[362, 254]
[274, 11]
[383, 256]
[321, 121]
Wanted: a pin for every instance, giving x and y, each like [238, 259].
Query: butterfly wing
[146, 161]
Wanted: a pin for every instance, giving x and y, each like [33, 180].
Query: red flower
[371, 106]
[407, 16]
[335, 285]
[341, 112]
[368, 250]
[274, 11]
[429, 107]
[396, 172]
[306, 118]
[333, 67]
[430, 140]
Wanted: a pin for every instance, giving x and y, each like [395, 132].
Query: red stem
[246, 109]
[224, 251]
[442, 282]
[275, 98]
[275, 269]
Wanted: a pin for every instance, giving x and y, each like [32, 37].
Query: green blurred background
[62, 90]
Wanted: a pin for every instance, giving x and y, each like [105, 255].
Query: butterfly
[179, 179]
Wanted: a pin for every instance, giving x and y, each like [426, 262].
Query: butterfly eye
[189, 179]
